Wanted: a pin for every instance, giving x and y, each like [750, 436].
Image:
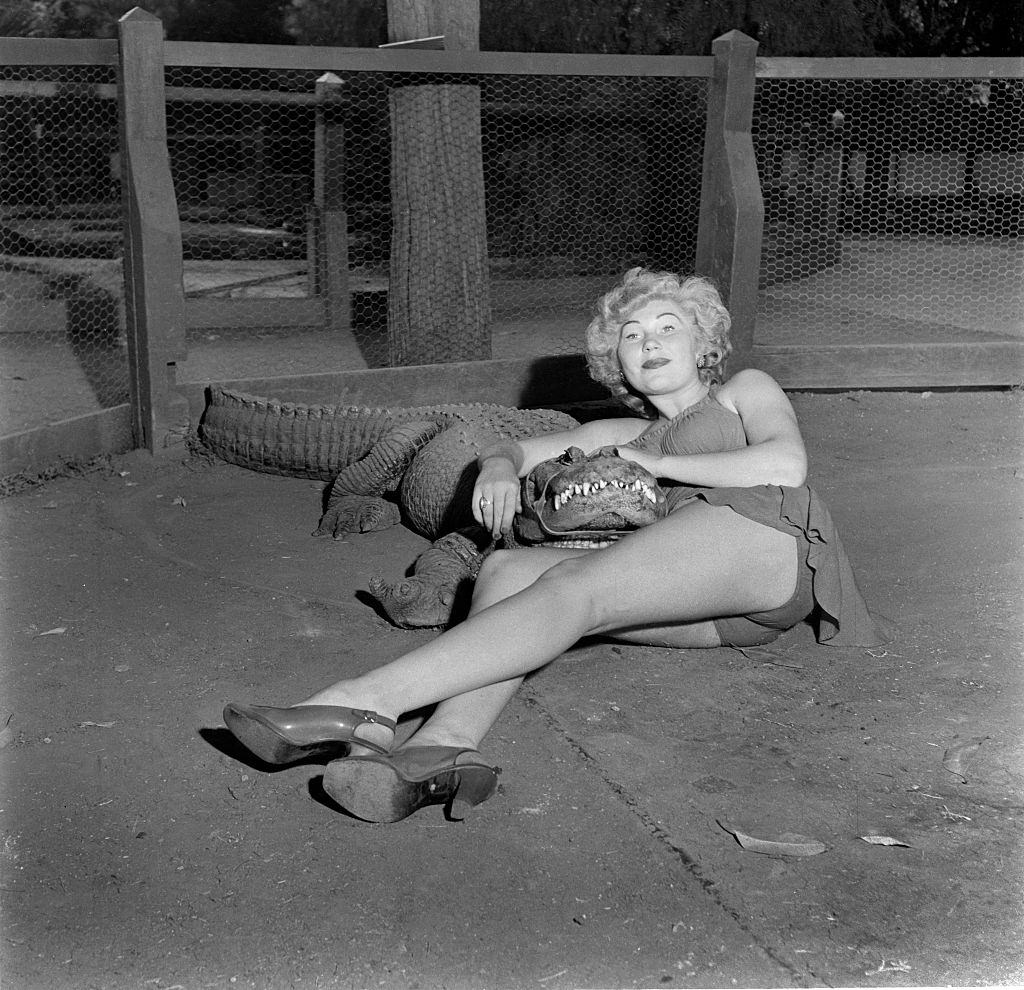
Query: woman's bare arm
[774, 455]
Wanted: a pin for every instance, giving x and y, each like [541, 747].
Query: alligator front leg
[357, 514]
[438, 591]
[356, 503]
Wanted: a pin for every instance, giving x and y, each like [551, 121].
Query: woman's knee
[574, 587]
[503, 574]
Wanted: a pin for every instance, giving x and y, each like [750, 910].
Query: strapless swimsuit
[826, 591]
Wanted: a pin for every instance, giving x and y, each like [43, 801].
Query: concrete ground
[141, 849]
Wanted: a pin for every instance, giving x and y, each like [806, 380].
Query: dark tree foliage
[67, 18]
[348, 24]
[673, 27]
[951, 27]
[819, 28]
[240, 21]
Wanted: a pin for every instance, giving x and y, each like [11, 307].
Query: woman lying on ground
[746, 551]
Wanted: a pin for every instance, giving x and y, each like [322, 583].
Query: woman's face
[659, 345]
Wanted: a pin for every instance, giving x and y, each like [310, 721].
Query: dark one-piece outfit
[826, 593]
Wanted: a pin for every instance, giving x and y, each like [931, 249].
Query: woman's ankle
[428, 736]
[378, 733]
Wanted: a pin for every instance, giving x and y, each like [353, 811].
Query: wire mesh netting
[892, 210]
[576, 173]
[893, 214]
[62, 334]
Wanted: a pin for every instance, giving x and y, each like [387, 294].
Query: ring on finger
[484, 501]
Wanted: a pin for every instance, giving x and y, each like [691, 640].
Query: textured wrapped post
[154, 287]
[731, 207]
[439, 296]
[330, 235]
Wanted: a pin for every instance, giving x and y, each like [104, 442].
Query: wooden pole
[731, 208]
[438, 300]
[153, 275]
[330, 221]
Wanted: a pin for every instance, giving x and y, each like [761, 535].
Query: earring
[702, 361]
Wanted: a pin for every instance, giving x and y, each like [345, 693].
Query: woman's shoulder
[750, 383]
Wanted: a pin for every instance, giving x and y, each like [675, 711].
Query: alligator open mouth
[587, 495]
[595, 490]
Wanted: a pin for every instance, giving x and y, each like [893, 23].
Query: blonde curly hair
[695, 295]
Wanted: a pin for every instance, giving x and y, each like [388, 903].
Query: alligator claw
[357, 514]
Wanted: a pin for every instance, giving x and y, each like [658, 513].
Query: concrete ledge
[108, 431]
[867, 366]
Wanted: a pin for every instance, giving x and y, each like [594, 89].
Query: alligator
[575, 500]
[424, 457]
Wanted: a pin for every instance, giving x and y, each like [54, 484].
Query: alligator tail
[289, 438]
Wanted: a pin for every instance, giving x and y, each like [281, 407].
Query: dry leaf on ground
[885, 840]
[787, 844]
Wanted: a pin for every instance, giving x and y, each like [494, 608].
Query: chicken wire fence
[62, 335]
[892, 209]
[577, 177]
[892, 212]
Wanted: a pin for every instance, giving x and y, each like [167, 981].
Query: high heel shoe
[285, 735]
[390, 788]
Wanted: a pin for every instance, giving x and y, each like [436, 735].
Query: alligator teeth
[586, 487]
[649, 494]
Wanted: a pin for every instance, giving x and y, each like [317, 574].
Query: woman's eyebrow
[674, 316]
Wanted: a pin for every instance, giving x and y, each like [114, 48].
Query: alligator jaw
[591, 490]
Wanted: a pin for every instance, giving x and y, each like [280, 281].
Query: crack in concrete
[529, 698]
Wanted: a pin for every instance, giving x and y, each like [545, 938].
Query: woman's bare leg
[700, 562]
[466, 718]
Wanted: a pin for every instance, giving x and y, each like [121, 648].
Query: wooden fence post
[439, 288]
[330, 221]
[731, 207]
[153, 276]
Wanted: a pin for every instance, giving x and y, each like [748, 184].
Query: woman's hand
[647, 459]
[496, 498]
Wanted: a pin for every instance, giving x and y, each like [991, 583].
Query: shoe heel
[475, 785]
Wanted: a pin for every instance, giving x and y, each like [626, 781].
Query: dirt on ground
[142, 849]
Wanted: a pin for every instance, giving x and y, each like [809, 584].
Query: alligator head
[587, 494]
[415, 602]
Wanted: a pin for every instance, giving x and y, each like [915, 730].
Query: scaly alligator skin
[441, 584]
[426, 454]
[584, 501]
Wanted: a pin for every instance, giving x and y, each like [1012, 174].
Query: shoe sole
[270, 746]
[374, 790]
